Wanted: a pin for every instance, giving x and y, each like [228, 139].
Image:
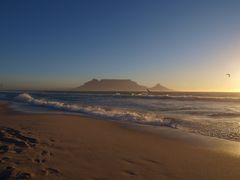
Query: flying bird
[229, 75]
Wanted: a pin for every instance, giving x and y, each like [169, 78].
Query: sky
[185, 45]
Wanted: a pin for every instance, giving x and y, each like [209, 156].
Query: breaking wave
[114, 114]
[220, 120]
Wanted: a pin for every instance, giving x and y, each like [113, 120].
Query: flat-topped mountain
[117, 85]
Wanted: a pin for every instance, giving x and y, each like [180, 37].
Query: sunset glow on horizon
[183, 45]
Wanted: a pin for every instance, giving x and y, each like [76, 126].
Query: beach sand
[50, 146]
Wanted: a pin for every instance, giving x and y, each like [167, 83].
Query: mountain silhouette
[117, 85]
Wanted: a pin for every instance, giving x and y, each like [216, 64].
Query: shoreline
[207, 142]
[87, 148]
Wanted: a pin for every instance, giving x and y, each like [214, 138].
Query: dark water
[210, 114]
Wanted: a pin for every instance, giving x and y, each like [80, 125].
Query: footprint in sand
[4, 160]
[51, 171]
[151, 161]
[43, 157]
[13, 141]
[39, 161]
[51, 139]
[6, 173]
[17, 134]
[129, 172]
[18, 150]
[11, 173]
[9, 136]
[23, 175]
[4, 149]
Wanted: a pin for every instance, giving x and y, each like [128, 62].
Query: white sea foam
[220, 120]
[114, 114]
[24, 97]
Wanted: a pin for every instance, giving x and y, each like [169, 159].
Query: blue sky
[185, 45]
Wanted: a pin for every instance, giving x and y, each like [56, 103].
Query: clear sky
[182, 44]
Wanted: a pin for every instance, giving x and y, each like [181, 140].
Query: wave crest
[114, 114]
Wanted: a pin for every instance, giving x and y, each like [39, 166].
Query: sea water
[209, 114]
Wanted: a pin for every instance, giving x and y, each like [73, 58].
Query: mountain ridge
[117, 85]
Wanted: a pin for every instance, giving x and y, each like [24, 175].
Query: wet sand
[48, 146]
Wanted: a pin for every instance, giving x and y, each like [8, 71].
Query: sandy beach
[49, 146]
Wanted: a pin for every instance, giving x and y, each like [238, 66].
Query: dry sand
[47, 146]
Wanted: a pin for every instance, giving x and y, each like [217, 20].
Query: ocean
[210, 114]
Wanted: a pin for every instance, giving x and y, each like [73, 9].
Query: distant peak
[159, 87]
